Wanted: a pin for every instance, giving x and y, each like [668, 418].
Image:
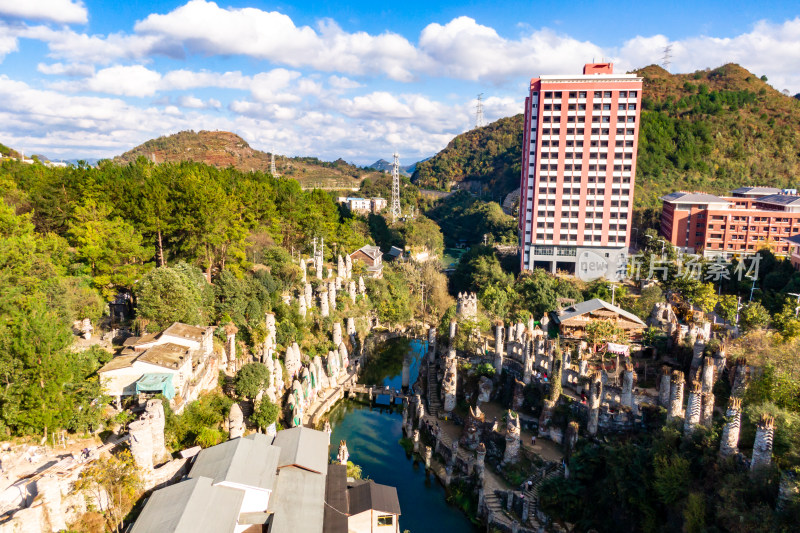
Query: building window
[386, 520]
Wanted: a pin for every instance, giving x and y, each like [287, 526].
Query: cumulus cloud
[62, 11]
[190, 101]
[69, 69]
[770, 48]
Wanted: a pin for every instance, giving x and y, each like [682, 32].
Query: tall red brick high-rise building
[578, 167]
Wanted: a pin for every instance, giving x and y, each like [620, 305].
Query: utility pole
[396, 188]
[752, 289]
[613, 293]
[479, 122]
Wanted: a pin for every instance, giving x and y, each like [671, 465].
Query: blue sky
[354, 79]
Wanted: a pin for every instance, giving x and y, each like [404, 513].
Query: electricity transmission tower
[479, 112]
[666, 59]
[396, 188]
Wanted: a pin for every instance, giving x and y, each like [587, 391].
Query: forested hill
[224, 149]
[485, 159]
[709, 130]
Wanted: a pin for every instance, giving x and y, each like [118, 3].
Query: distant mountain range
[385, 166]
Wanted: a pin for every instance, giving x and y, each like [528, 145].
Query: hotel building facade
[578, 167]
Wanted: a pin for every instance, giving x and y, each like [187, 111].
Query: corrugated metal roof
[191, 506]
[303, 447]
[370, 495]
[336, 508]
[593, 305]
[778, 199]
[756, 190]
[298, 501]
[249, 462]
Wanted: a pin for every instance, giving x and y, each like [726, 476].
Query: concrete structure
[727, 226]
[729, 442]
[762, 446]
[578, 168]
[364, 205]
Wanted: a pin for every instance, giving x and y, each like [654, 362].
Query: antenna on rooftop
[396, 188]
[479, 122]
[666, 59]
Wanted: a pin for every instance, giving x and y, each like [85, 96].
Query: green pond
[373, 439]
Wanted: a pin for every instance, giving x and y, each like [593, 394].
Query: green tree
[110, 247]
[251, 379]
[265, 414]
[114, 480]
[753, 316]
[728, 307]
[174, 294]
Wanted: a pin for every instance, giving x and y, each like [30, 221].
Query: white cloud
[69, 69]
[771, 49]
[134, 80]
[62, 11]
[187, 79]
[8, 44]
[341, 83]
[193, 102]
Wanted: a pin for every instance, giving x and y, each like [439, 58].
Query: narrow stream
[373, 440]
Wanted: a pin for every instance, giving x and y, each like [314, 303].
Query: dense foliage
[464, 219]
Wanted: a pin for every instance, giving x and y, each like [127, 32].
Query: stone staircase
[532, 495]
[495, 511]
[434, 403]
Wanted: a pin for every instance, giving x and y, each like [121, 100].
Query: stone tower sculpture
[693, 407]
[480, 459]
[323, 304]
[664, 388]
[676, 396]
[467, 305]
[762, 447]
[527, 358]
[332, 294]
[595, 397]
[236, 422]
[628, 378]
[498, 348]
[453, 326]
[729, 443]
[337, 333]
[449, 382]
[740, 378]
[351, 290]
[511, 454]
[343, 454]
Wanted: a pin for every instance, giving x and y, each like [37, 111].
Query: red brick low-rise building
[750, 219]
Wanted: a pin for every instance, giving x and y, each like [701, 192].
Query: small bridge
[375, 391]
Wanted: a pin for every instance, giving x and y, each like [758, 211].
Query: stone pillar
[762, 446]
[449, 382]
[351, 290]
[511, 454]
[676, 396]
[230, 345]
[362, 288]
[406, 378]
[595, 398]
[302, 305]
[49, 490]
[340, 269]
[318, 266]
[693, 407]
[323, 304]
[498, 348]
[303, 273]
[344, 360]
[427, 455]
[155, 414]
[141, 443]
[236, 422]
[416, 440]
[740, 379]
[527, 360]
[309, 292]
[432, 338]
[351, 326]
[348, 265]
[708, 374]
[337, 333]
[453, 326]
[332, 294]
[453, 453]
[343, 454]
[729, 442]
[664, 388]
[626, 397]
[707, 416]
[480, 459]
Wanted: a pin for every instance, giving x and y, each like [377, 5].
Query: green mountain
[711, 130]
